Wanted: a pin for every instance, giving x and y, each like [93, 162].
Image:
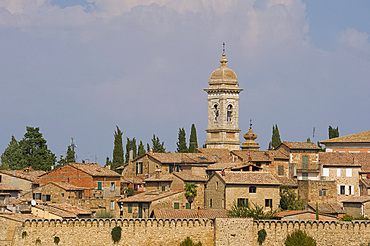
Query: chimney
[131, 155]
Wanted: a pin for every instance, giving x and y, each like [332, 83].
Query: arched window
[217, 112]
[229, 112]
[252, 189]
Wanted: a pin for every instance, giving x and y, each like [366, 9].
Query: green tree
[190, 192]
[299, 238]
[140, 149]
[36, 151]
[117, 150]
[193, 142]
[71, 155]
[317, 211]
[158, 147]
[322, 149]
[189, 242]
[181, 144]
[13, 157]
[108, 162]
[289, 200]
[308, 140]
[131, 145]
[255, 211]
[333, 132]
[275, 139]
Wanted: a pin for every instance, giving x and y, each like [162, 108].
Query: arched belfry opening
[223, 108]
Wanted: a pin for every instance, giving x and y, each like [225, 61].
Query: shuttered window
[305, 162]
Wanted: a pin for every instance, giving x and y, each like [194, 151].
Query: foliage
[181, 144]
[116, 234]
[38, 241]
[317, 211]
[140, 149]
[104, 215]
[32, 151]
[24, 234]
[130, 191]
[255, 211]
[347, 217]
[117, 160]
[13, 157]
[71, 155]
[308, 140]
[321, 148]
[190, 192]
[131, 145]
[289, 200]
[108, 162]
[56, 240]
[193, 142]
[158, 147]
[333, 132]
[299, 238]
[261, 236]
[275, 139]
[189, 242]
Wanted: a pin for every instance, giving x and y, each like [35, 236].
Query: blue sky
[78, 68]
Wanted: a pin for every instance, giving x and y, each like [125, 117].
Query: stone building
[96, 181]
[354, 143]
[303, 159]
[59, 211]
[223, 108]
[357, 206]
[228, 187]
[57, 192]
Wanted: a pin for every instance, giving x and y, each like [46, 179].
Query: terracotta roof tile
[8, 187]
[32, 176]
[362, 137]
[190, 213]
[344, 159]
[357, 199]
[188, 158]
[161, 177]
[285, 181]
[190, 178]
[301, 145]
[63, 210]
[19, 217]
[304, 214]
[149, 196]
[327, 207]
[94, 169]
[365, 182]
[132, 180]
[221, 165]
[65, 186]
[257, 178]
[220, 155]
[255, 155]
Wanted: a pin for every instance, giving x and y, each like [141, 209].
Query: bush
[189, 242]
[116, 234]
[38, 241]
[256, 212]
[24, 234]
[261, 236]
[56, 240]
[104, 215]
[347, 217]
[130, 191]
[299, 238]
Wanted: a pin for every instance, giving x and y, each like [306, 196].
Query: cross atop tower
[250, 123]
[223, 48]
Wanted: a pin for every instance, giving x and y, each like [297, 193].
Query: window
[242, 202]
[252, 189]
[210, 203]
[62, 194]
[99, 186]
[342, 189]
[229, 112]
[0, 178]
[129, 209]
[322, 192]
[170, 168]
[187, 205]
[36, 196]
[268, 203]
[216, 185]
[348, 172]
[304, 176]
[338, 172]
[281, 170]
[111, 205]
[163, 188]
[112, 186]
[325, 172]
[176, 205]
[304, 162]
[139, 167]
[217, 109]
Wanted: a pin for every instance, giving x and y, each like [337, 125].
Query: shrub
[116, 234]
[38, 241]
[347, 217]
[104, 214]
[299, 238]
[189, 242]
[261, 236]
[56, 240]
[255, 211]
[24, 234]
[130, 191]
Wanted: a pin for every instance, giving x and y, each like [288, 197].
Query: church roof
[362, 137]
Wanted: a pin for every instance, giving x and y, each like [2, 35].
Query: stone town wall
[221, 231]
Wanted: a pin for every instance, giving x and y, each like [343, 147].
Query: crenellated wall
[221, 231]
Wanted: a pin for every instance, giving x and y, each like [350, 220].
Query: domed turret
[250, 143]
[223, 74]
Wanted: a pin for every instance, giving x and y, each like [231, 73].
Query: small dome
[250, 143]
[223, 74]
[250, 135]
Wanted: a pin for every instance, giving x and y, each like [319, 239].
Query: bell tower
[223, 108]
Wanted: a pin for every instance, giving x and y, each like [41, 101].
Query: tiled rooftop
[255, 156]
[362, 137]
[285, 181]
[19, 217]
[160, 177]
[301, 145]
[27, 174]
[149, 196]
[327, 207]
[4, 187]
[256, 178]
[357, 199]
[344, 159]
[186, 158]
[65, 186]
[221, 155]
[94, 169]
[190, 178]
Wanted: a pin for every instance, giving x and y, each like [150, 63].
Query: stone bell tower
[223, 108]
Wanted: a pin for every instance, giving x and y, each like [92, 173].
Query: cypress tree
[275, 139]
[131, 145]
[181, 144]
[158, 147]
[193, 142]
[333, 132]
[13, 157]
[70, 156]
[117, 149]
[140, 149]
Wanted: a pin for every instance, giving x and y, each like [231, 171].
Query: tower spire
[223, 48]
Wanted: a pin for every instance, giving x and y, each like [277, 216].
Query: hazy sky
[78, 68]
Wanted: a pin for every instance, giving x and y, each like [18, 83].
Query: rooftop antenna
[73, 144]
[250, 124]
